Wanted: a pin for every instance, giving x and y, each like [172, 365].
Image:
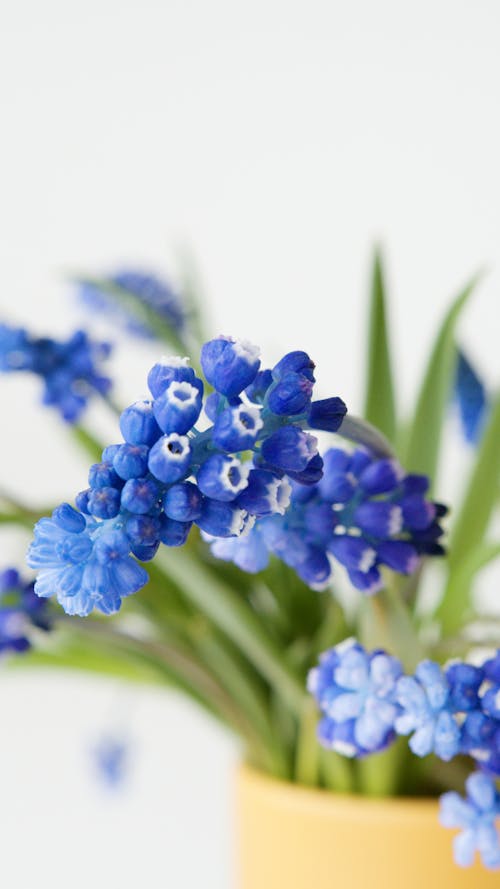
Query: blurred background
[276, 142]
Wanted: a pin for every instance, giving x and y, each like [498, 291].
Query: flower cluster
[364, 512]
[69, 369]
[20, 611]
[366, 701]
[150, 290]
[168, 473]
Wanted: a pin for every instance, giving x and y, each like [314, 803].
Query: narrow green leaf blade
[380, 407]
[422, 447]
[454, 608]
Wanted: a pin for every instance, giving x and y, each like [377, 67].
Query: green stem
[336, 771]
[307, 752]
[364, 433]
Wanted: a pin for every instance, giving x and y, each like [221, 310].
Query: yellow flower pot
[291, 837]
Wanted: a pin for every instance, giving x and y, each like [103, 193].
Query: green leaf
[454, 606]
[380, 408]
[422, 448]
[87, 442]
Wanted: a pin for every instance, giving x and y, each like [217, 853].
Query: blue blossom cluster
[366, 701]
[69, 369]
[169, 473]
[20, 611]
[150, 290]
[471, 399]
[363, 512]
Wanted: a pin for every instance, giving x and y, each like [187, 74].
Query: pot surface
[290, 837]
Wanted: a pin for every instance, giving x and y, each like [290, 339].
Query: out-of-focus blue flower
[471, 399]
[20, 611]
[158, 295]
[356, 691]
[111, 757]
[168, 474]
[476, 816]
[427, 712]
[70, 369]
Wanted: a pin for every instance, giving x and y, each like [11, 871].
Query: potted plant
[271, 553]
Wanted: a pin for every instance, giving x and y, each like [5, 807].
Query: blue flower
[111, 757]
[69, 369]
[20, 611]
[356, 691]
[471, 398]
[475, 816]
[229, 365]
[427, 711]
[146, 287]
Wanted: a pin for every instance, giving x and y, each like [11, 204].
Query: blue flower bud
[104, 503]
[213, 403]
[415, 484]
[265, 494]
[353, 552]
[381, 476]
[464, 682]
[315, 569]
[491, 668]
[311, 475]
[237, 428]
[108, 454]
[143, 551]
[222, 477]
[174, 533]
[229, 365]
[327, 414]
[295, 362]
[289, 448]
[221, 519]
[256, 391]
[166, 371]
[170, 458]
[182, 502]
[398, 555]
[138, 425]
[82, 501]
[68, 518]
[178, 407]
[290, 395]
[379, 518]
[417, 512]
[143, 529]
[131, 461]
[367, 582]
[102, 475]
[140, 495]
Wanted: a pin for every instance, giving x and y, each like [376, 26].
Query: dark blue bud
[312, 474]
[102, 475]
[381, 476]
[315, 570]
[143, 551]
[222, 477]
[399, 555]
[355, 553]
[327, 414]
[289, 448]
[104, 503]
[415, 484]
[490, 703]
[491, 668]
[367, 583]
[213, 404]
[143, 529]
[166, 371]
[69, 519]
[295, 362]
[174, 533]
[237, 428]
[418, 513]
[131, 461]
[379, 518]
[229, 365]
[140, 495]
[290, 395]
[256, 391]
[182, 502]
[359, 461]
[138, 425]
[108, 454]
[464, 681]
[265, 494]
[178, 407]
[336, 487]
[221, 519]
[82, 501]
[170, 458]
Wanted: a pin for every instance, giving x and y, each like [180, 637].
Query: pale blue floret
[424, 699]
[476, 816]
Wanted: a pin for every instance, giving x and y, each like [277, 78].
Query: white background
[278, 140]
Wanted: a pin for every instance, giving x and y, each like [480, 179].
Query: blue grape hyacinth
[177, 467]
[69, 369]
[471, 399]
[356, 692]
[478, 817]
[155, 293]
[20, 611]
[364, 512]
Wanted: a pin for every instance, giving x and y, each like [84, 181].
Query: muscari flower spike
[361, 511]
[69, 369]
[168, 474]
[20, 611]
[148, 288]
[471, 399]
